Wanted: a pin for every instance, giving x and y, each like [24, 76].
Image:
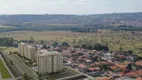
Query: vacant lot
[4, 73]
[67, 73]
[114, 39]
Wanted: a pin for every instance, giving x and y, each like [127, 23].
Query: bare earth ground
[126, 40]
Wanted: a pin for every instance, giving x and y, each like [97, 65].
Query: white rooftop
[45, 52]
[22, 43]
[29, 46]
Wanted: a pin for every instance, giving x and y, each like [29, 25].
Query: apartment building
[31, 52]
[27, 51]
[49, 61]
[21, 47]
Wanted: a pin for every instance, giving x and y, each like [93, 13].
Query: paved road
[22, 67]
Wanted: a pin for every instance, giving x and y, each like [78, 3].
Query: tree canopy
[5, 41]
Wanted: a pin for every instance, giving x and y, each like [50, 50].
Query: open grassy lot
[1, 26]
[4, 73]
[67, 73]
[114, 39]
[7, 49]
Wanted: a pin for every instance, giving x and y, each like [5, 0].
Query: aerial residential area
[98, 53]
[70, 40]
[54, 61]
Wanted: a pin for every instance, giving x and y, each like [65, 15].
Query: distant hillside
[123, 16]
[73, 22]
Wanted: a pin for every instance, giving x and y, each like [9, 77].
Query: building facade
[31, 52]
[21, 48]
[28, 51]
[49, 61]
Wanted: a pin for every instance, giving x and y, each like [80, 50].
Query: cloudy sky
[69, 6]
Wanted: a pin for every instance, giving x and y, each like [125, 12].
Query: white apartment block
[21, 48]
[31, 52]
[49, 61]
[27, 51]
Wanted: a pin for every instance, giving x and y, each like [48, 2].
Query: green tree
[120, 49]
[55, 44]
[41, 42]
[26, 77]
[90, 47]
[104, 67]
[84, 46]
[130, 52]
[98, 47]
[65, 44]
[5, 41]
[31, 39]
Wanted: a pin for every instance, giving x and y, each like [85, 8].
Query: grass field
[4, 73]
[127, 40]
[7, 49]
[1, 26]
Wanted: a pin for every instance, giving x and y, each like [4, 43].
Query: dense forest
[75, 23]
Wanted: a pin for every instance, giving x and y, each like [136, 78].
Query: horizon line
[68, 14]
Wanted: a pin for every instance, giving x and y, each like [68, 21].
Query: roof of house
[94, 68]
[113, 67]
[121, 66]
[139, 78]
[82, 66]
[134, 73]
[139, 63]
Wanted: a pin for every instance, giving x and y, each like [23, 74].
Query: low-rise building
[107, 56]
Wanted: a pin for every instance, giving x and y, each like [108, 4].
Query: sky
[69, 6]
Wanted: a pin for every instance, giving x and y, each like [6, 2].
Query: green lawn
[7, 49]
[4, 73]
[5, 27]
[114, 40]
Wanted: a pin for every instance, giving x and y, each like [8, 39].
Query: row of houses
[103, 65]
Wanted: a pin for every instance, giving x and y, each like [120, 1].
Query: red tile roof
[113, 67]
[139, 63]
[134, 73]
[121, 66]
[94, 68]
[82, 66]
[139, 78]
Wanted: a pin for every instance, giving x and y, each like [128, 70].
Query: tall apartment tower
[21, 48]
[49, 61]
[27, 51]
[31, 52]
